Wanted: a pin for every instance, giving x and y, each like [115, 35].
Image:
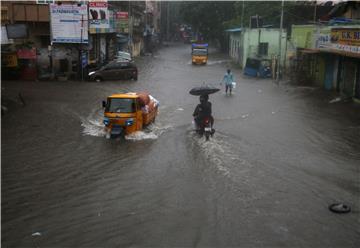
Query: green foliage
[209, 18]
[295, 12]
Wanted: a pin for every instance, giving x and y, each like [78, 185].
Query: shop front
[341, 49]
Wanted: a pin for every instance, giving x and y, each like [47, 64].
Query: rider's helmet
[204, 98]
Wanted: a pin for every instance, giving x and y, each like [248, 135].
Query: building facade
[92, 34]
[329, 57]
[255, 43]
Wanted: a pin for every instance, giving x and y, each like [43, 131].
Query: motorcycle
[205, 128]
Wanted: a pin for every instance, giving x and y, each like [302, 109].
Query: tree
[208, 18]
[295, 12]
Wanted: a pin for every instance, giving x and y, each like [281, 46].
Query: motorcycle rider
[202, 111]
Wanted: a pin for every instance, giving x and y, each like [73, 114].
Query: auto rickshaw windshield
[120, 105]
[199, 52]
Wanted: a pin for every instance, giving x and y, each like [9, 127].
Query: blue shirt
[228, 78]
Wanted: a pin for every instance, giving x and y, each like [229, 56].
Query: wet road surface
[280, 156]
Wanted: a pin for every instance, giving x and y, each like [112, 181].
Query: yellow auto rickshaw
[126, 113]
[199, 53]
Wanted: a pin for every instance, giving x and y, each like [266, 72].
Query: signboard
[26, 53]
[122, 15]
[323, 38]
[69, 23]
[17, 31]
[98, 15]
[9, 60]
[346, 36]
[345, 48]
[122, 22]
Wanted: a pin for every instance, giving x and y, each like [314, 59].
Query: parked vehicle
[115, 70]
[123, 57]
[199, 53]
[128, 112]
[257, 67]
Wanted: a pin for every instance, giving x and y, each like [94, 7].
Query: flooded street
[280, 156]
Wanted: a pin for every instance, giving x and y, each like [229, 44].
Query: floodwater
[279, 157]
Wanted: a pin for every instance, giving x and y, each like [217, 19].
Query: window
[125, 66]
[4, 14]
[263, 48]
[112, 66]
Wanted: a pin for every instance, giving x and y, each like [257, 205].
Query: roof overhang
[329, 50]
[233, 30]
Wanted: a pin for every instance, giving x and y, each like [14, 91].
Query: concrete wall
[302, 36]
[235, 46]
[252, 37]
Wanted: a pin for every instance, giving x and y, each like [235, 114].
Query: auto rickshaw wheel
[98, 79]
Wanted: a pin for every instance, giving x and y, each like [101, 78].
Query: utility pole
[168, 21]
[129, 16]
[315, 12]
[81, 48]
[242, 14]
[280, 38]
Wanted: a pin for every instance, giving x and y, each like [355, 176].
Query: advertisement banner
[345, 48]
[98, 15]
[69, 23]
[346, 36]
[26, 53]
[122, 22]
[323, 38]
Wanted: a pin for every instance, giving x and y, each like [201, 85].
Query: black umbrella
[203, 90]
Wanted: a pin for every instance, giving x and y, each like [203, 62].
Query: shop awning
[329, 50]
[341, 53]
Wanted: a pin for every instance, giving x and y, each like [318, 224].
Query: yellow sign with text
[346, 36]
[9, 60]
